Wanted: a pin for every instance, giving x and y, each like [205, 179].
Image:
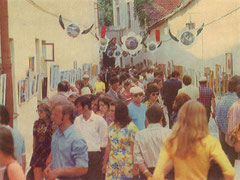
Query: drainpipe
[6, 59]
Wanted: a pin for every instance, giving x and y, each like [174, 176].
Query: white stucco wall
[214, 41]
[27, 23]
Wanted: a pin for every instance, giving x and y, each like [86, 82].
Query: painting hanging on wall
[21, 91]
[31, 63]
[3, 79]
[37, 84]
[54, 76]
[229, 63]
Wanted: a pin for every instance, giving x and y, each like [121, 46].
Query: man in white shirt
[94, 129]
[189, 89]
[149, 141]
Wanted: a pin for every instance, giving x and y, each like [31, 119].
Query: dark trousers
[169, 108]
[208, 111]
[229, 151]
[94, 166]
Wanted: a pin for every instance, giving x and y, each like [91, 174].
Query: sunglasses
[138, 94]
[155, 94]
[39, 111]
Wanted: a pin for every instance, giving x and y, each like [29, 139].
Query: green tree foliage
[107, 8]
[140, 11]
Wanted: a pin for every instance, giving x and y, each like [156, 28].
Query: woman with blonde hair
[191, 147]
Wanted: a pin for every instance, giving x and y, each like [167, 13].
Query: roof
[160, 10]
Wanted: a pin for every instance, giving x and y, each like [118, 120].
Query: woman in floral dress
[118, 160]
[42, 137]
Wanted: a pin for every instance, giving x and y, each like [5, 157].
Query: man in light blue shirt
[221, 116]
[69, 150]
[137, 109]
[19, 143]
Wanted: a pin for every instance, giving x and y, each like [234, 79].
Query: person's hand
[135, 170]
[53, 174]
[46, 171]
[104, 168]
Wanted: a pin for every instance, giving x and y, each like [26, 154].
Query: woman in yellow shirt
[191, 147]
[99, 85]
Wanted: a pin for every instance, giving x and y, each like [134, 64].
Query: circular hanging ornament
[187, 38]
[152, 46]
[73, 30]
[132, 43]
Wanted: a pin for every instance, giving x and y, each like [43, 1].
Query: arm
[220, 157]
[103, 133]
[139, 159]
[24, 163]
[34, 142]
[15, 172]
[135, 167]
[146, 123]
[106, 156]
[214, 107]
[49, 159]
[67, 172]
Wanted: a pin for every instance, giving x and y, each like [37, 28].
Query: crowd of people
[131, 124]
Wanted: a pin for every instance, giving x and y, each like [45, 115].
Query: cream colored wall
[211, 45]
[27, 23]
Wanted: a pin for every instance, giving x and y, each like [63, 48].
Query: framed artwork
[31, 87]
[229, 63]
[22, 91]
[54, 76]
[49, 51]
[37, 84]
[3, 79]
[31, 63]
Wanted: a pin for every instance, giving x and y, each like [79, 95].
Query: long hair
[121, 114]
[6, 142]
[46, 108]
[191, 127]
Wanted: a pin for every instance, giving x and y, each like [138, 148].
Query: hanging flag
[103, 32]
[115, 40]
[157, 35]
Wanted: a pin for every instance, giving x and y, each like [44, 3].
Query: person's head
[179, 101]
[85, 78]
[123, 77]
[112, 109]
[152, 93]
[158, 82]
[85, 91]
[114, 82]
[79, 85]
[63, 87]
[63, 113]
[83, 104]
[233, 82]
[72, 98]
[94, 103]
[121, 115]
[238, 90]
[155, 114]
[4, 115]
[137, 94]
[104, 104]
[6, 144]
[190, 128]
[43, 110]
[187, 80]
[99, 77]
[175, 74]
[203, 80]
[127, 86]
